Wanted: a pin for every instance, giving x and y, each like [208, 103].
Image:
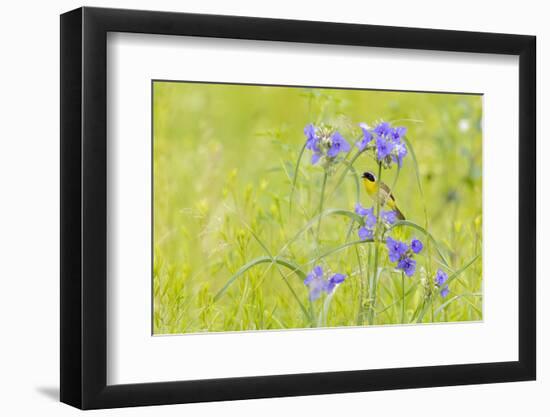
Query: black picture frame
[84, 207]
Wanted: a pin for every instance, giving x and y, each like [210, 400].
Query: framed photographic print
[257, 207]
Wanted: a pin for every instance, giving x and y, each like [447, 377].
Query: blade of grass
[349, 165]
[260, 260]
[457, 273]
[416, 170]
[321, 202]
[402, 297]
[457, 297]
[295, 178]
[279, 270]
[322, 322]
[410, 290]
[314, 220]
[396, 178]
[338, 249]
[356, 179]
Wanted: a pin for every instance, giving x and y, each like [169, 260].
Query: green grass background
[224, 158]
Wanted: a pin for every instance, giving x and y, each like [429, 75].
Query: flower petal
[337, 278]
[315, 158]
[416, 246]
[315, 293]
[365, 233]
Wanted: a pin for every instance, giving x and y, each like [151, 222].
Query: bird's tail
[400, 215]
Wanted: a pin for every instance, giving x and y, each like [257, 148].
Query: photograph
[296, 207]
[264, 209]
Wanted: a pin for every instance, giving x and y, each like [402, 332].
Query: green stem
[370, 287]
[313, 323]
[295, 179]
[402, 297]
[325, 310]
[362, 290]
[348, 167]
[376, 246]
[321, 201]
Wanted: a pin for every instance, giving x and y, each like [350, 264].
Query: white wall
[29, 238]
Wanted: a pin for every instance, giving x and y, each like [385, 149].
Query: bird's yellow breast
[370, 187]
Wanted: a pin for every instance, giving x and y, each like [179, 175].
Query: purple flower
[416, 246]
[370, 218]
[367, 214]
[389, 217]
[397, 133]
[396, 249]
[389, 142]
[383, 148]
[365, 233]
[312, 142]
[400, 151]
[360, 210]
[408, 266]
[315, 157]
[333, 281]
[367, 137]
[383, 129]
[316, 283]
[440, 279]
[338, 144]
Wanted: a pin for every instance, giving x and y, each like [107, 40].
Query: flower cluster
[385, 141]
[402, 253]
[440, 279]
[325, 143]
[366, 231]
[369, 221]
[318, 283]
[389, 217]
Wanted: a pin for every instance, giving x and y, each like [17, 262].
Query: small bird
[386, 196]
